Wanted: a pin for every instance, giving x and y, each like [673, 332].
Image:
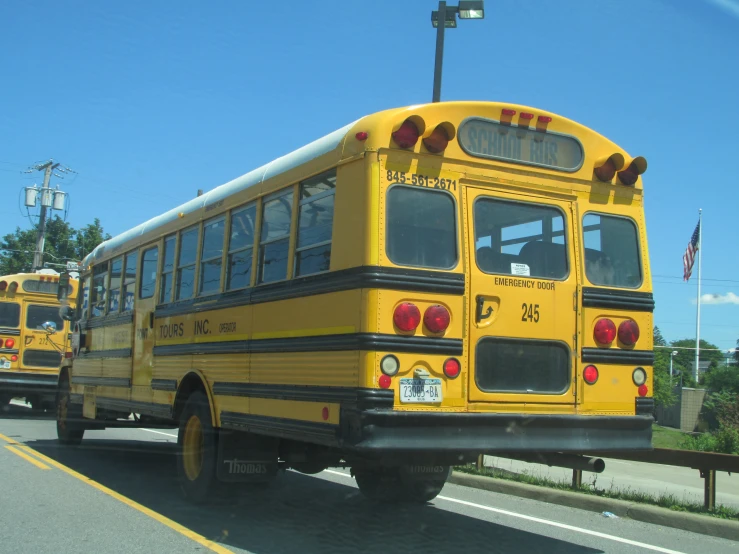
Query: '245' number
[530, 312]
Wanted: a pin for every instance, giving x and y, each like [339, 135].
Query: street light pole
[439, 51]
[672, 355]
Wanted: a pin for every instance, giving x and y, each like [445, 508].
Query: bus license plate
[420, 390]
[4, 364]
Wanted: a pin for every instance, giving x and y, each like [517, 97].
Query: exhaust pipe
[571, 461]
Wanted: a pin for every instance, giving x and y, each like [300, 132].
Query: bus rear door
[523, 285]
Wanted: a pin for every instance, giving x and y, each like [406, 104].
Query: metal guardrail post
[576, 478]
[480, 462]
[709, 488]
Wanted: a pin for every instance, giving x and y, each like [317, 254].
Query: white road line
[158, 432]
[545, 522]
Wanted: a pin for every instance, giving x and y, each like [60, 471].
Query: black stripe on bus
[364, 399]
[634, 301]
[112, 353]
[617, 356]
[9, 351]
[321, 343]
[164, 384]
[322, 433]
[7, 331]
[364, 277]
[101, 381]
[153, 409]
[107, 321]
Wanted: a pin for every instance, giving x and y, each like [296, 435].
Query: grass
[665, 437]
[664, 500]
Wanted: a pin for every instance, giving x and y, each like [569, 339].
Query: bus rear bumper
[19, 383]
[437, 433]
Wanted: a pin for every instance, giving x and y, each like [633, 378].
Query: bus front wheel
[196, 463]
[68, 416]
[415, 484]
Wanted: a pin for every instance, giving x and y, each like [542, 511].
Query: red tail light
[643, 390]
[437, 141]
[605, 331]
[590, 374]
[407, 135]
[9, 343]
[452, 368]
[68, 355]
[436, 319]
[14, 358]
[384, 381]
[407, 316]
[628, 332]
[3, 285]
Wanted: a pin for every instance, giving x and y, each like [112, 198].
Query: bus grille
[522, 366]
[42, 358]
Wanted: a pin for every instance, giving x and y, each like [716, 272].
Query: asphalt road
[118, 493]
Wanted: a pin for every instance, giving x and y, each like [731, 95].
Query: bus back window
[421, 228]
[37, 315]
[611, 251]
[10, 314]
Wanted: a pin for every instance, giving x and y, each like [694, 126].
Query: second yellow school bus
[423, 285]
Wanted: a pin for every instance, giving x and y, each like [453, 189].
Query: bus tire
[68, 429]
[196, 441]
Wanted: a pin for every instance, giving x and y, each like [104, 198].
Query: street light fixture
[472, 9]
[672, 355]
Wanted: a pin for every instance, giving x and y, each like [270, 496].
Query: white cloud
[730, 7]
[728, 298]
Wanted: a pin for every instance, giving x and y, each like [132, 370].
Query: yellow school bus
[421, 286]
[33, 337]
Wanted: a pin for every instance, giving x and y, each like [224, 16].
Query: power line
[702, 279]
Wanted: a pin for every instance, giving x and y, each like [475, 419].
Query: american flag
[689, 256]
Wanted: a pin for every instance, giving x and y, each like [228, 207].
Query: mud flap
[246, 458]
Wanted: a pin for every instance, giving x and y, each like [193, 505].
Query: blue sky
[150, 101]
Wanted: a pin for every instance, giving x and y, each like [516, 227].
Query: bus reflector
[361, 135]
[590, 374]
[436, 319]
[324, 413]
[384, 381]
[606, 168]
[629, 175]
[452, 368]
[407, 135]
[643, 390]
[14, 358]
[437, 141]
[9, 343]
[628, 332]
[605, 331]
[407, 316]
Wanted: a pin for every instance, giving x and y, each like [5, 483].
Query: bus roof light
[3, 285]
[437, 141]
[606, 168]
[407, 135]
[407, 317]
[509, 112]
[605, 331]
[13, 286]
[628, 332]
[526, 115]
[361, 135]
[544, 119]
[629, 175]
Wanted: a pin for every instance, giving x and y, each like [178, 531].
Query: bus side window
[275, 236]
[84, 303]
[211, 255]
[165, 289]
[149, 267]
[116, 271]
[185, 284]
[129, 281]
[315, 224]
[240, 246]
[98, 291]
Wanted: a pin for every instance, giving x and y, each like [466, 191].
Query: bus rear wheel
[196, 463]
[68, 428]
[401, 484]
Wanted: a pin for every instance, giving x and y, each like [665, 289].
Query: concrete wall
[684, 414]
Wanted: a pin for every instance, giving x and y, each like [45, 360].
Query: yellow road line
[27, 457]
[127, 501]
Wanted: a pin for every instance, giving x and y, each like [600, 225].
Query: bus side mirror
[49, 327]
[66, 313]
[64, 287]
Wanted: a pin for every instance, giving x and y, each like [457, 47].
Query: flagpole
[698, 304]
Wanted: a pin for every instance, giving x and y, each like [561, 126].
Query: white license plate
[420, 390]
[5, 364]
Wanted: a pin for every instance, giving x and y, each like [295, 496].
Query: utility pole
[38, 256]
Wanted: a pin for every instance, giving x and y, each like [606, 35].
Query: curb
[695, 523]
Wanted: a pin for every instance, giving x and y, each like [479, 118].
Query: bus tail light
[384, 381]
[439, 138]
[14, 358]
[606, 168]
[590, 374]
[452, 368]
[407, 134]
[68, 355]
[407, 316]
[628, 332]
[9, 343]
[643, 390]
[629, 175]
[390, 365]
[436, 318]
[605, 331]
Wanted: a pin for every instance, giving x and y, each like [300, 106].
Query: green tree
[63, 243]
[686, 357]
[736, 352]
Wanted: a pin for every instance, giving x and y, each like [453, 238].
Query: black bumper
[22, 383]
[403, 433]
